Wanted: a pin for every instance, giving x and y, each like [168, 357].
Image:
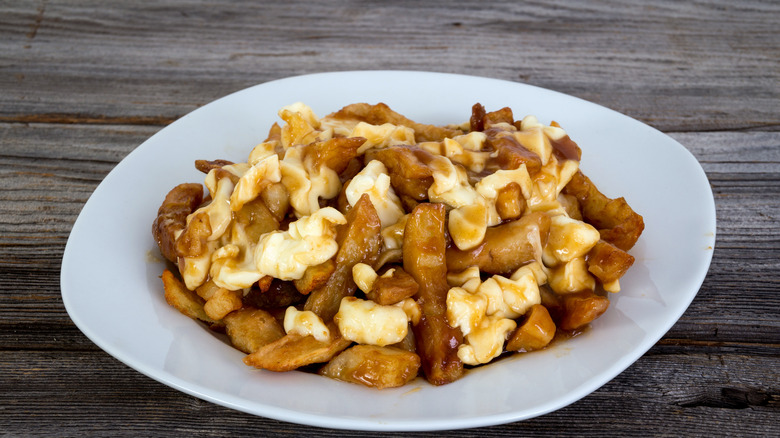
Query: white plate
[112, 290]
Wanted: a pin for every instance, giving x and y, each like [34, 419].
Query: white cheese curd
[411, 308]
[520, 294]
[254, 180]
[374, 180]
[382, 136]
[468, 224]
[307, 186]
[218, 210]
[451, 184]
[486, 342]
[262, 151]
[568, 239]
[489, 186]
[367, 322]
[465, 310]
[364, 276]
[535, 141]
[305, 323]
[393, 235]
[572, 277]
[309, 241]
[301, 127]
[233, 265]
[468, 279]
[195, 270]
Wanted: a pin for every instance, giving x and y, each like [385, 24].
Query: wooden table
[82, 83]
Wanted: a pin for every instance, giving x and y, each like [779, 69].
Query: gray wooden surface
[82, 83]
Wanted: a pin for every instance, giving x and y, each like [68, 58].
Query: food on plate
[373, 249]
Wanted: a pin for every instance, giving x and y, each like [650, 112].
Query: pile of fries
[372, 249]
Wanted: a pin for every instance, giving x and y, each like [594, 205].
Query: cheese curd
[486, 342]
[264, 172]
[304, 323]
[366, 322]
[485, 311]
[305, 185]
[375, 181]
[309, 241]
[569, 239]
[381, 136]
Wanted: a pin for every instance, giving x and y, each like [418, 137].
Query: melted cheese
[305, 323]
[374, 180]
[367, 322]
[309, 241]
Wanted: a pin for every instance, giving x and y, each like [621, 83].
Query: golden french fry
[171, 218]
[249, 329]
[410, 175]
[536, 331]
[277, 199]
[315, 277]
[222, 302]
[335, 153]
[390, 290]
[580, 309]
[192, 241]
[293, 351]
[505, 248]
[423, 252]
[206, 166]
[372, 366]
[617, 223]
[511, 155]
[607, 262]
[380, 114]
[256, 219]
[359, 242]
[183, 299]
[510, 203]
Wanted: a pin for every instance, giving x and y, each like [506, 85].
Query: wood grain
[82, 83]
[676, 65]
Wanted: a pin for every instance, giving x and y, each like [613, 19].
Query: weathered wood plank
[68, 394]
[675, 65]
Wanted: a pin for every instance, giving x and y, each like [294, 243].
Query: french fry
[222, 302]
[390, 290]
[315, 277]
[511, 155]
[206, 166]
[335, 153]
[249, 329]
[277, 199]
[359, 242]
[423, 252]
[617, 223]
[183, 299]
[380, 114]
[607, 262]
[505, 248]
[580, 309]
[171, 218]
[536, 331]
[510, 203]
[278, 294]
[293, 351]
[410, 175]
[372, 366]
